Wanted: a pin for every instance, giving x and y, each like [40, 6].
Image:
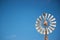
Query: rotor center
[45, 23]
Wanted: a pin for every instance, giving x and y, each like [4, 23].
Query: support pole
[46, 36]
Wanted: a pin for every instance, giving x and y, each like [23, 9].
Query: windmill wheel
[45, 22]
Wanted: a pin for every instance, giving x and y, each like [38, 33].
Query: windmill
[45, 24]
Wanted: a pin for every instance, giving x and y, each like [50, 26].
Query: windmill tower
[45, 24]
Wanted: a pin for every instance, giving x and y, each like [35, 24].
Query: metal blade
[37, 28]
[36, 21]
[49, 15]
[43, 16]
[47, 31]
[50, 30]
[41, 31]
[40, 18]
[37, 25]
[46, 15]
[53, 22]
[53, 25]
[53, 19]
[44, 31]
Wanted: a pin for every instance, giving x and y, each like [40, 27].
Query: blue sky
[18, 17]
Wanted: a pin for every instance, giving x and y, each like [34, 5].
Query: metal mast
[46, 36]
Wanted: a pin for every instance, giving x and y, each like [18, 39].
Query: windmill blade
[47, 31]
[53, 19]
[36, 25]
[41, 31]
[45, 16]
[37, 22]
[40, 18]
[49, 15]
[37, 28]
[50, 30]
[44, 31]
[53, 22]
[53, 25]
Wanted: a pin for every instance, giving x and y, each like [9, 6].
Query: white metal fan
[46, 23]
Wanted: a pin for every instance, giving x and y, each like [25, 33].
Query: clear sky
[18, 17]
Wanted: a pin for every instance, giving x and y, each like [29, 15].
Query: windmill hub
[45, 23]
